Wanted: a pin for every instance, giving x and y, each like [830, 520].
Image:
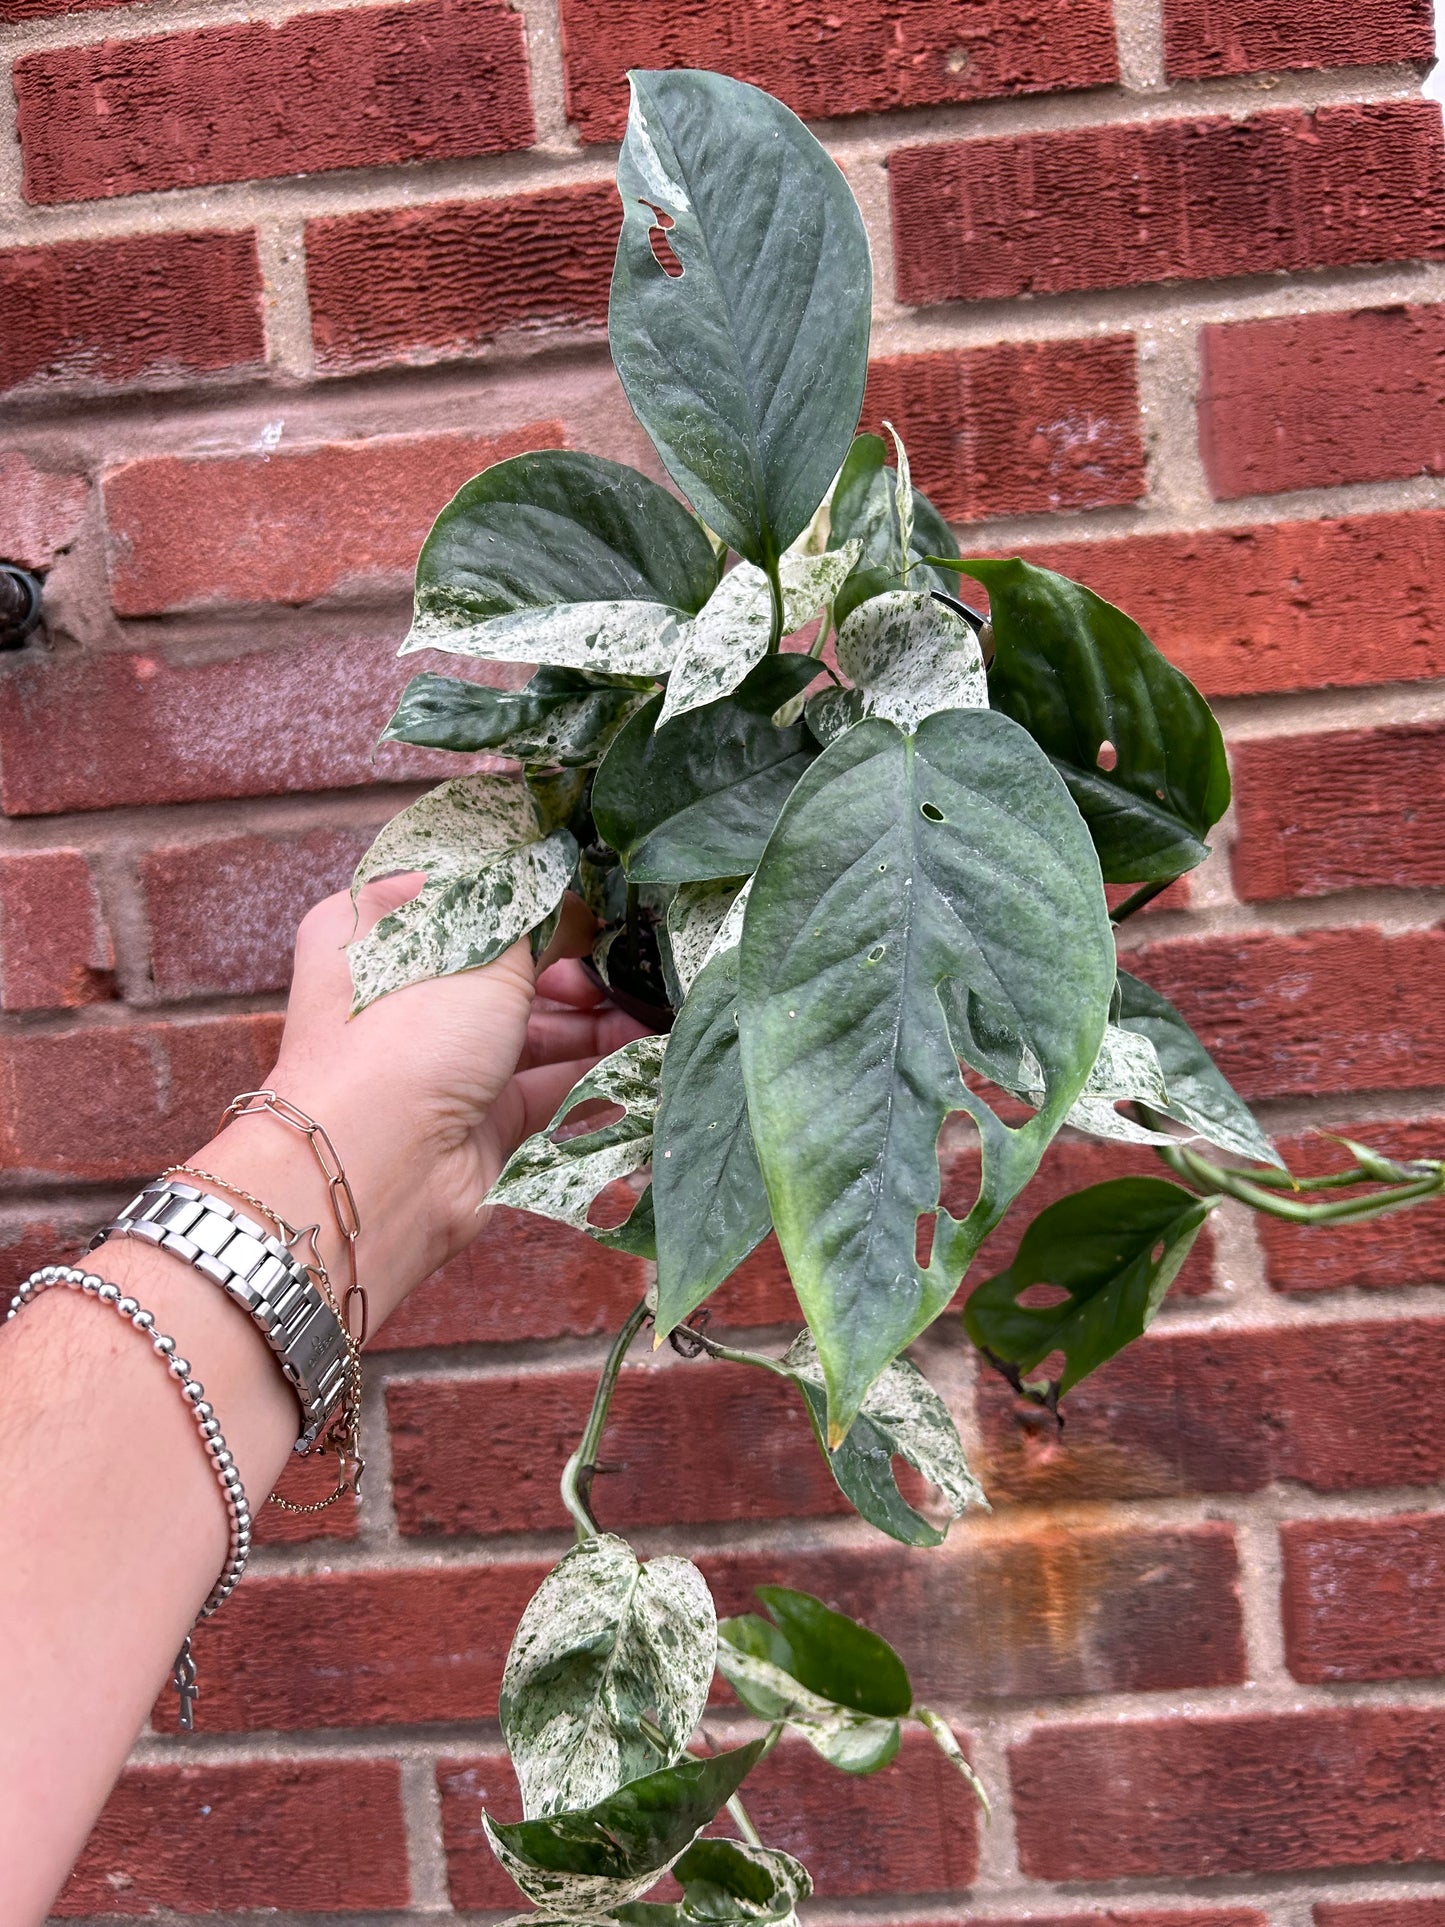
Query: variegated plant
[864, 894]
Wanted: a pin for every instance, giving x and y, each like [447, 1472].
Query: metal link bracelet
[238, 1511]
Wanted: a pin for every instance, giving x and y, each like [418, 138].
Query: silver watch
[265, 1278]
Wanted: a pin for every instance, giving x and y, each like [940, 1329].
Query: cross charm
[183, 1679]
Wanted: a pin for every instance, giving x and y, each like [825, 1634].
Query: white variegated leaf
[730, 633]
[560, 1180]
[903, 506]
[620, 638]
[447, 831]
[1127, 1067]
[694, 917]
[730, 930]
[913, 1418]
[568, 1896]
[948, 1745]
[832, 711]
[911, 656]
[845, 1737]
[605, 1643]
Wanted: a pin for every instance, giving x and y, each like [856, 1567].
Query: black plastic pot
[659, 1018]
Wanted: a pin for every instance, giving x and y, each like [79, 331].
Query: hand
[425, 1093]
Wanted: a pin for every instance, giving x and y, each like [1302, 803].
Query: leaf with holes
[1199, 1095]
[726, 1882]
[607, 1676]
[560, 1178]
[699, 799]
[563, 716]
[904, 867]
[493, 874]
[910, 656]
[747, 367]
[606, 1855]
[1113, 1250]
[731, 634]
[712, 1208]
[1131, 736]
[1126, 1067]
[562, 558]
[902, 1417]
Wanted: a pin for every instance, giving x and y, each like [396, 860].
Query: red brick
[55, 949]
[825, 60]
[913, 1828]
[1354, 809]
[25, 1246]
[1333, 1407]
[1379, 1913]
[1364, 1598]
[322, 1835]
[1018, 427]
[154, 308]
[1322, 1011]
[484, 1455]
[1208, 37]
[1107, 207]
[117, 1101]
[223, 913]
[361, 87]
[1314, 401]
[12, 11]
[1278, 606]
[40, 510]
[437, 282]
[188, 532]
[80, 732]
[1267, 1793]
[1406, 1248]
[1122, 1917]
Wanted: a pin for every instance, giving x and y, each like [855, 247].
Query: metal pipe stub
[20, 598]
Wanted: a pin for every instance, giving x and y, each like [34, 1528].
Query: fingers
[568, 983]
[543, 1088]
[555, 1036]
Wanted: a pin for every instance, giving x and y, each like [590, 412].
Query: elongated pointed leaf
[902, 1417]
[1132, 737]
[560, 1179]
[1115, 1249]
[731, 635]
[865, 509]
[727, 1881]
[909, 657]
[526, 541]
[563, 716]
[607, 1676]
[902, 498]
[698, 799]
[493, 873]
[609, 1854]
[1199, 1095]
[946, 1740]
[904, 867]
[694, 918]
[747, 368]
[712, 1207]
[756, 1660]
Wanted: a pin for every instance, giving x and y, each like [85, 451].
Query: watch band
[255, 1269]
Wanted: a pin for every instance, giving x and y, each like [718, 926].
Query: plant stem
[775, 637]
[577, 1475]
[736, 1357]
[633, 901]
[1218, 1178]
[743, 1824]
[825, 629]
[1146, 893]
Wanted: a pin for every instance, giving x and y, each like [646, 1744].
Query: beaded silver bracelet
[183, 1676]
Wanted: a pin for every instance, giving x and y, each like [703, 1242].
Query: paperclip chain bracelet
[238, 1511]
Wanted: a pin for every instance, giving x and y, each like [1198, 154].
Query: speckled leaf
[726, 1882]
[447, 831]
[694, 917]
[1200, 1096]
[560, 1179]
[947, 1742]
[1126, 1067]
[865, 508]
[601, 1858]
[853, 1742]
[902, 1417]
[731, 634]
[1114, 1249]
[831, 712]
[562, 716]
[902, 499]
[624, 638]
[910, 656]
[605, 1643]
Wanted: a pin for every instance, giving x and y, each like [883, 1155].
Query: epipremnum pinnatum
[863, 896]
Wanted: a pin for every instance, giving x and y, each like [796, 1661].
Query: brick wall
[1161, 299]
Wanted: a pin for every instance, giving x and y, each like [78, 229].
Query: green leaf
[727, 1882]
[712, 1208]
[835, 1656]
[493, 874]
[1114, 1249]
[698, 799]
[611, 1853]
[560, 1179]
[562, 558]
[902, 1417]
[732, 633]
[607, 1676]
[747, 368]
[562, 716]
[909, 657]
[1079, 675]
[903, 870]
[1200, 1097]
